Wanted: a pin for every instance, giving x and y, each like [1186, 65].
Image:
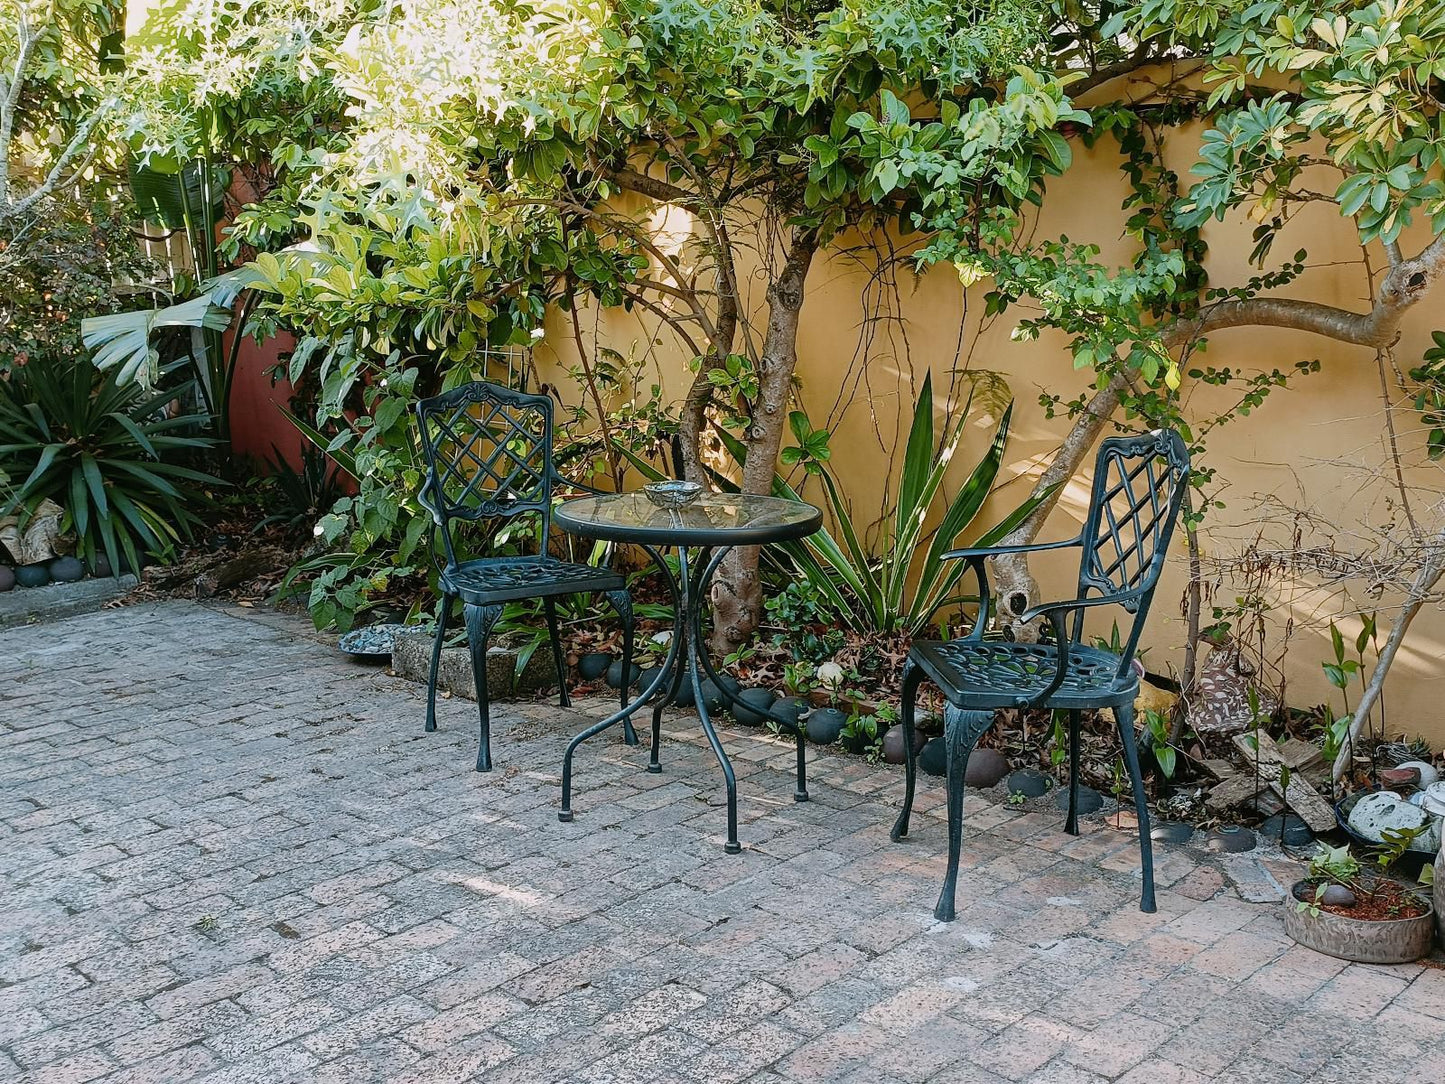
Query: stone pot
[1440, 893]
[1363, 941]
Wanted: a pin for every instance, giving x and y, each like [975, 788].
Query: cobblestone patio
[229, 854]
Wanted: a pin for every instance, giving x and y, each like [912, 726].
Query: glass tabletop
[714, 519]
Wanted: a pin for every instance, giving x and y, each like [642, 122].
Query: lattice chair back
[489, 454]
[1139, 485]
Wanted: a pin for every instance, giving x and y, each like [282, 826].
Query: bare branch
[53, 179]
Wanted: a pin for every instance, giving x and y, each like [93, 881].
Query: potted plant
[1342, 911]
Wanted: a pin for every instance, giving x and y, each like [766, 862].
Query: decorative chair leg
[1071, 824]
[679, 675]
[480, 622]
[550, 605]
[1125, 717]
[961, 730]
[444, 609]
[912, 678]
[622, 603]
[800, 792]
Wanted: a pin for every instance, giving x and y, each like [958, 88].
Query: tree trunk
[1014, 585]
[737, 592]
[693, 424]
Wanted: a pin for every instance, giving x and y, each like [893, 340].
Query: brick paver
[227, 854]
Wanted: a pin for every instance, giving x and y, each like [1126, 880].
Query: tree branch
[57, 171]
[1403, 285]
[654, 187]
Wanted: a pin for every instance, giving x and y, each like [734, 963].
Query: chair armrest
[423, 498]
[1048, 609]
[1054, 612]
[999, 551]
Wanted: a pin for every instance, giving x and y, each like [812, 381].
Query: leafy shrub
[61, 262]
[110, 455]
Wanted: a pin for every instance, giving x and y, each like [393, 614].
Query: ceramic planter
[1440, 893]
[1391, 941]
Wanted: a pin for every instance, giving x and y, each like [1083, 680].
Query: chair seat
[985, 674]
[491, 580]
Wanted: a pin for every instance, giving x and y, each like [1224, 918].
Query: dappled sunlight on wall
[863, 352]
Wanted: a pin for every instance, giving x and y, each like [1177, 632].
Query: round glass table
[712, 525]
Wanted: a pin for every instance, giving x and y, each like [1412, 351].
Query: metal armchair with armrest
[1138, 487]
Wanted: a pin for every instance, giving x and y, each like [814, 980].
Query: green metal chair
[488, 451]
[1139, 485]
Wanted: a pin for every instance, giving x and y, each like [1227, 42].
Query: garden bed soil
[1380, 901]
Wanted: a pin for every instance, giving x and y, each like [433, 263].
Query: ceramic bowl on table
[672, 493]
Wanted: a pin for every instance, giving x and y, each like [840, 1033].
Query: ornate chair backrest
[489, 454]
[1139, 485]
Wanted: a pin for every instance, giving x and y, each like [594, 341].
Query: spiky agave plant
[106, 453]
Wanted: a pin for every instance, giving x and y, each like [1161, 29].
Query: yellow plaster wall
[1298, 448]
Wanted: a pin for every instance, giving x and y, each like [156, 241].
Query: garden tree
[494, 154]
[63, 237]
[1334, 102]
[52, 98]
[782, 127]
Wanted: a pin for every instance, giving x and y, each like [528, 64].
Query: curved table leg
[697, 654]
[627, 710]
[800, 792]
[680, 673]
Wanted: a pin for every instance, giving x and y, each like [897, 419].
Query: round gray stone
[1230, 839]
[752, 698]
[825, 724]
[66, 569]
[1030, 782]
[1338, 896]
[893, 744]
[711, 697]
[32, 575]
[593, 666]
[684, 697]
[645, 679]
[1287, 829]
[933, 757]
[1171, 832]
[1090, 800]
[615, 676]
[790, 708]
[7, 578]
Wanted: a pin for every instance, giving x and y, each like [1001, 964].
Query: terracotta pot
[1392, 941]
